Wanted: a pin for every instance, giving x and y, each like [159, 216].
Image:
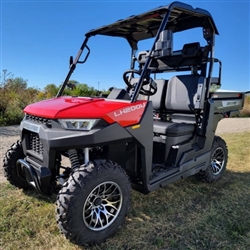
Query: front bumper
[40, 180]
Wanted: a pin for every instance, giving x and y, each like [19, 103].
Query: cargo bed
[228, 103]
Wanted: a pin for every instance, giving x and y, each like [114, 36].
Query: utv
[154, 132]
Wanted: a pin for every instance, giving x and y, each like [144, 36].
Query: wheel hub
[102, 206]
[218, 160]
[98, 202]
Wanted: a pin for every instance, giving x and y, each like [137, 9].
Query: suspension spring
[73, 157]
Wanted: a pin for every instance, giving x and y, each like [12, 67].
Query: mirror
[86, 56]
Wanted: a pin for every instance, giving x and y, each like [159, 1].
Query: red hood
[123, 112]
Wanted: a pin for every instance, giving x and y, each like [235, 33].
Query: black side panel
[143, 137]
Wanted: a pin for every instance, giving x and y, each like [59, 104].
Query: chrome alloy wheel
[217, 160]
[102, 206]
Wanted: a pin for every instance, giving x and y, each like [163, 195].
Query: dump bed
[228, 103]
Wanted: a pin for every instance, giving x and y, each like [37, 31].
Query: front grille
[38, 119]
[35, 143]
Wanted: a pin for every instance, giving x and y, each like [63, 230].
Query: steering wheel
[146, 81]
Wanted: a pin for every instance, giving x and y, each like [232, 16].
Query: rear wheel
[14, 153]
[93, 203]
[217, 167]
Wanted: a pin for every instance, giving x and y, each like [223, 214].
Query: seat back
[181, 93]
[158, 99]
[191, 55]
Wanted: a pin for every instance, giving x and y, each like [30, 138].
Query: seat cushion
[173, 129]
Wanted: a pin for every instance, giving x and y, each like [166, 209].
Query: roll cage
[158, 23]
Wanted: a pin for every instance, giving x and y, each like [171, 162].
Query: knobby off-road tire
[14, 153]
[93, 203]
[219, 156]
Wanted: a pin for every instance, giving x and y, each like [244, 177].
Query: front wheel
[217, 167]
[93, 203]
[14, 153]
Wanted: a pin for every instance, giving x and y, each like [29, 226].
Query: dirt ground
[10, 134]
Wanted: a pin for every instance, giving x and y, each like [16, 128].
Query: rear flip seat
[179, 101]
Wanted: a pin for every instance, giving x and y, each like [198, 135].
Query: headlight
[78, 124]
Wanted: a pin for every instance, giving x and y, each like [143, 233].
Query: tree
[16, 84]
[50, 90]
[14, 97]
[5, 76]
[80, 90]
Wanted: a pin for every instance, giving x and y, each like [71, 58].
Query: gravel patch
[10, 134]
[233, 125]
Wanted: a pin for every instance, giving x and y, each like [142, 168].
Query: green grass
[188, 214]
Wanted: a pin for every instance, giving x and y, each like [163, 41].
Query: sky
[37, 37]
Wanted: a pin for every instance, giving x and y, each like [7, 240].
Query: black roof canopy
[143, 26]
